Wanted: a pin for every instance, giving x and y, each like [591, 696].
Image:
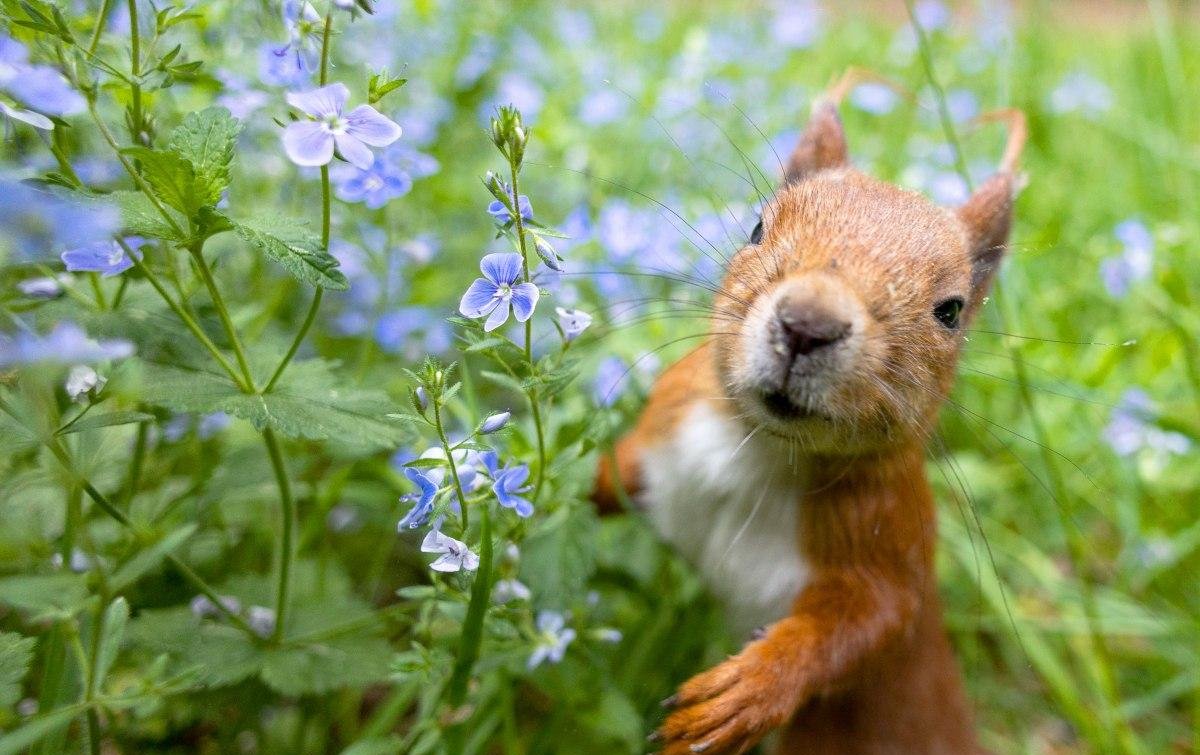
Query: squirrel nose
[807, 328]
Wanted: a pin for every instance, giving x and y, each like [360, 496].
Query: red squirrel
[784, 458]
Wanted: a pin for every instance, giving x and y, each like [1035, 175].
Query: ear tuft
[987, 217]
[822, 145]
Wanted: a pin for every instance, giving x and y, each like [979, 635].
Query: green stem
[93, 718]
[101, 302]
[291, 352]
[101, 21]
[135, 464]
[197, 252]
[472, 634]
[124, 284]
[135, 89]
[287, 511]
[458, 488]
[324, 74]
[960, 163]
[188, 320]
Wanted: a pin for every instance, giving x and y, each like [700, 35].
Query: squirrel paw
[726, 709]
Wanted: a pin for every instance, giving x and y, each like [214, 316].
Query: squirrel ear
[822, 145]
[987, 216]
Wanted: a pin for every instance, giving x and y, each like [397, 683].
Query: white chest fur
[731, 506]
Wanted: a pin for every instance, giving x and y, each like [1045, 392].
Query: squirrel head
[840, 324]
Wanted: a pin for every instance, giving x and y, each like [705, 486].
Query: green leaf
[148, 558]
[310, 401]
[172, 177]
[110, 419]
[375, 746]
[16, 653]
[558, 558]
[291, 244]
[349, 661]
[44, 592]
[18, 740]
[115, 619]
[140, 218]
[207, 139]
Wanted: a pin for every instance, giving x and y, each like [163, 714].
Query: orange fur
[861, 662]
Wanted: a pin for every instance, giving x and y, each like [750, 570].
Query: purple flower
[455, 555]
[419, 513]
[962, 104]
[65, 344]
[510, 489]
[501, 214]
[552, 641]
[494, 422]
[41, 288]
[40, 87]
[374, 186]
[312, 142]
[105, 257]
[492, 294]
[261, 619]
[797, 23]
[203, 608]
[874, 98]
[1130, 428]
[612, 377]
[572, 321]
[932, 14]
[1135, 261]
[949, 188]
[211, 424]
[34, 221]
[277, 66]
[603, 106]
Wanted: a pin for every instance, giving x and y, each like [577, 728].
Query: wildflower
[501, 214]
[419, 513]
[304, 28]
[422, 398]
[79, 562]
[262, 620]
[1131, 428]
[1135, 261]
[494, 422]
[211, 424]
[962, 104]
[874, 98]
[931, 14]
[203, 608]
[66, 343]
[33, 221]
[608, 634]
[105, 257]
[83, 381]
[510, 487]
[455, 555]
[602, 106]
[573, 322]
[1081, 93]
[277, 68]
[507, 590]
[342, 518]
[552, 640]
[949, 188]
[492, 294]
[374, 186]
[612, 377]
[41, 288]
[312, 142]
[797, 24]
[40, 87]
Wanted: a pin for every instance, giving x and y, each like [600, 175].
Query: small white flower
[455, 554]
[573, 322]
[552, 639]
[83, 381]
[506, 590]
[261, 620]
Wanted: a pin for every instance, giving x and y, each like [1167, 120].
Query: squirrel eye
[947, 312]
[756, 234]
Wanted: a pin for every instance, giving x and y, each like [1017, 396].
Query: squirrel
[784, 457]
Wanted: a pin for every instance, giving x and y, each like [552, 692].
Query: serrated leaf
[110, 419]
[39, 728]
[16, 653]
[115, 619]
[148, 558]
[44, 592]
[172, 176]
[222, 654]
[291, 244]
[207, 140]
[351, 661]
[140, 218]
[309, 401]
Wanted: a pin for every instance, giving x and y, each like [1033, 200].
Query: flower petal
[321, 102]
[524, 299]
[371, 127]
[355, 152]
[498, 317]
[501, 268]
[308, 143]
[447, 562]
[37, 120]
[479, 300]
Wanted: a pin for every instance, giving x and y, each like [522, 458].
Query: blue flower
[375, 186]
[603, 106]
[612, 376]
[211, 424]
[1131, 428]
[65, 344]
[311, 142]
[105, 257]
[1135, 261]
[552, 640]
[492, 294]
[419, 513]
[455, 555]
[281, 68]
[501, 214]
[40, 87]
[1081, 93]
[932, 14]
[32, 222]
[510, 488]
[962, 104]
[572, 321]
[494, 422]
[874, 98]
[797, 23]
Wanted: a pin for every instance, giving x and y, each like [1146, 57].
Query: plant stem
[291, 352]
[135, 89]
[101, 21]
[472, 634]
[960, 163]
[519, 225]
[187, 320]
[197, 251]
[287, 511]
[458, 488]
[101, 303]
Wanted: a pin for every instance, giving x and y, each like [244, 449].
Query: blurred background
[1066, 465]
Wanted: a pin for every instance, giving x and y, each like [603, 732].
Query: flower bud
[82, 382]
[494, 422]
